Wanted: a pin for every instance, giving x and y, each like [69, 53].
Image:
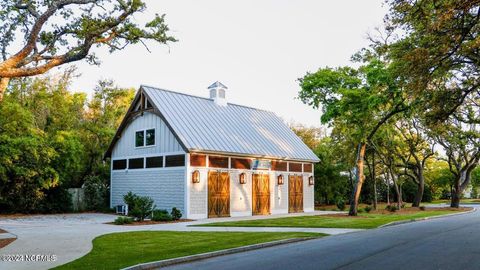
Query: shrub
[361, 210]
[340, 204]
[123, 220]
[57, 200]
[161, 215]
[404, 205]
[368, 208]
[391, 208]
[422, 208]
[176, 214]
[139, 207]
[96, 193]
[129, 199]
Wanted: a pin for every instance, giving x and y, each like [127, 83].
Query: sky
[258, 49]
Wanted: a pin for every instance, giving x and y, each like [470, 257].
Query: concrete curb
[163, 263]
[393, 223]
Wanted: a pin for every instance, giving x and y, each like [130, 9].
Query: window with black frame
[150, 137]
[139, 138]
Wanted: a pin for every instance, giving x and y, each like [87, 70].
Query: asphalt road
[444, 243]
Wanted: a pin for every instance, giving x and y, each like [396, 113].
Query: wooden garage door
[261, 194]
[218, 194]
[295, 194]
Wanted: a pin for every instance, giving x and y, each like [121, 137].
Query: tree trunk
[374, 177]
[359, 177]
[456, 190]
[388, 189]
[3, 86]
[420, 189]
[397, 191]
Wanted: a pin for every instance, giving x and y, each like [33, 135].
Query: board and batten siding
[165, 141]
[165, 186]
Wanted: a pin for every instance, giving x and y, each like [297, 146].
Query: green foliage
[123, 220]
[176, 214]
[329, 183]
[391, 208]
[161, 215]
[59, 32]
[96, 193]
[56, 200]
[368, 208]
[139, 207]
[361, 210]
[51, 138]
[340, 203]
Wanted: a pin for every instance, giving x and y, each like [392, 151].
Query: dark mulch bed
[342, 215]
[151, 222]
[6, 242]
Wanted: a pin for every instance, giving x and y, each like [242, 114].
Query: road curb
[393, 223]
[163, 263]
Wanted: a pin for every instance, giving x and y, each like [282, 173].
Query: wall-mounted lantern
[195, 176]
[243, 178]
[310, 181]
[280, 179]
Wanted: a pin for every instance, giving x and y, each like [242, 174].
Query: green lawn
[363, 221]
[119, 250]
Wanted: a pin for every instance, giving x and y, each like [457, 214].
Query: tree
[461, 143]
[415, 153]
[311, 136]
[437, 47]
[361, 99]
[58, 32]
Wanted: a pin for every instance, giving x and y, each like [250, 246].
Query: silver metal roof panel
[202, 125]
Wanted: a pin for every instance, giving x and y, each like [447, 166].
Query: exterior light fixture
[310, 180]
[243, 178]
[280, 179]
[195, 176]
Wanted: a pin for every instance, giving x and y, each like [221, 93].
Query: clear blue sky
[257, 48]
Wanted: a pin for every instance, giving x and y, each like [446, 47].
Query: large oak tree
[39, 35]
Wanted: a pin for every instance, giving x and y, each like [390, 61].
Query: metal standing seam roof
[202, 125]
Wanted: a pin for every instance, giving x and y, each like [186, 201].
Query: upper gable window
[145, 138]
[150, 137]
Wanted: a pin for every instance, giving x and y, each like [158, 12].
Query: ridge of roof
[209, 99]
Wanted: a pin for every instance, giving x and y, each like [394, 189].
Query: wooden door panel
[218, 194]
[295, 193]
[260, 194]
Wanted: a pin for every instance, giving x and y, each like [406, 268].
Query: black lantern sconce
[195, 177]
[243, 178]
[310, 181]
[280, 179]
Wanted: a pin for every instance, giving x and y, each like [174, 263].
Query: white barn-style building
[208, 157]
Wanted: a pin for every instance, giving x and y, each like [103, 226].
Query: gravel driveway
[69, 236]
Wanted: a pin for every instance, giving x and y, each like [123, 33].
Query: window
[175, 161]
[154, 162]
[150, 137]
[135, 163]
[120, 164]
[145, 138]
[139, 139]
[218, 162]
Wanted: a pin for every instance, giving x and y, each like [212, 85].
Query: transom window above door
[145, 137]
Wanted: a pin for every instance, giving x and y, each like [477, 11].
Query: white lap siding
[165, 186]
[308, 194]
[280, 194]
[240, 194]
